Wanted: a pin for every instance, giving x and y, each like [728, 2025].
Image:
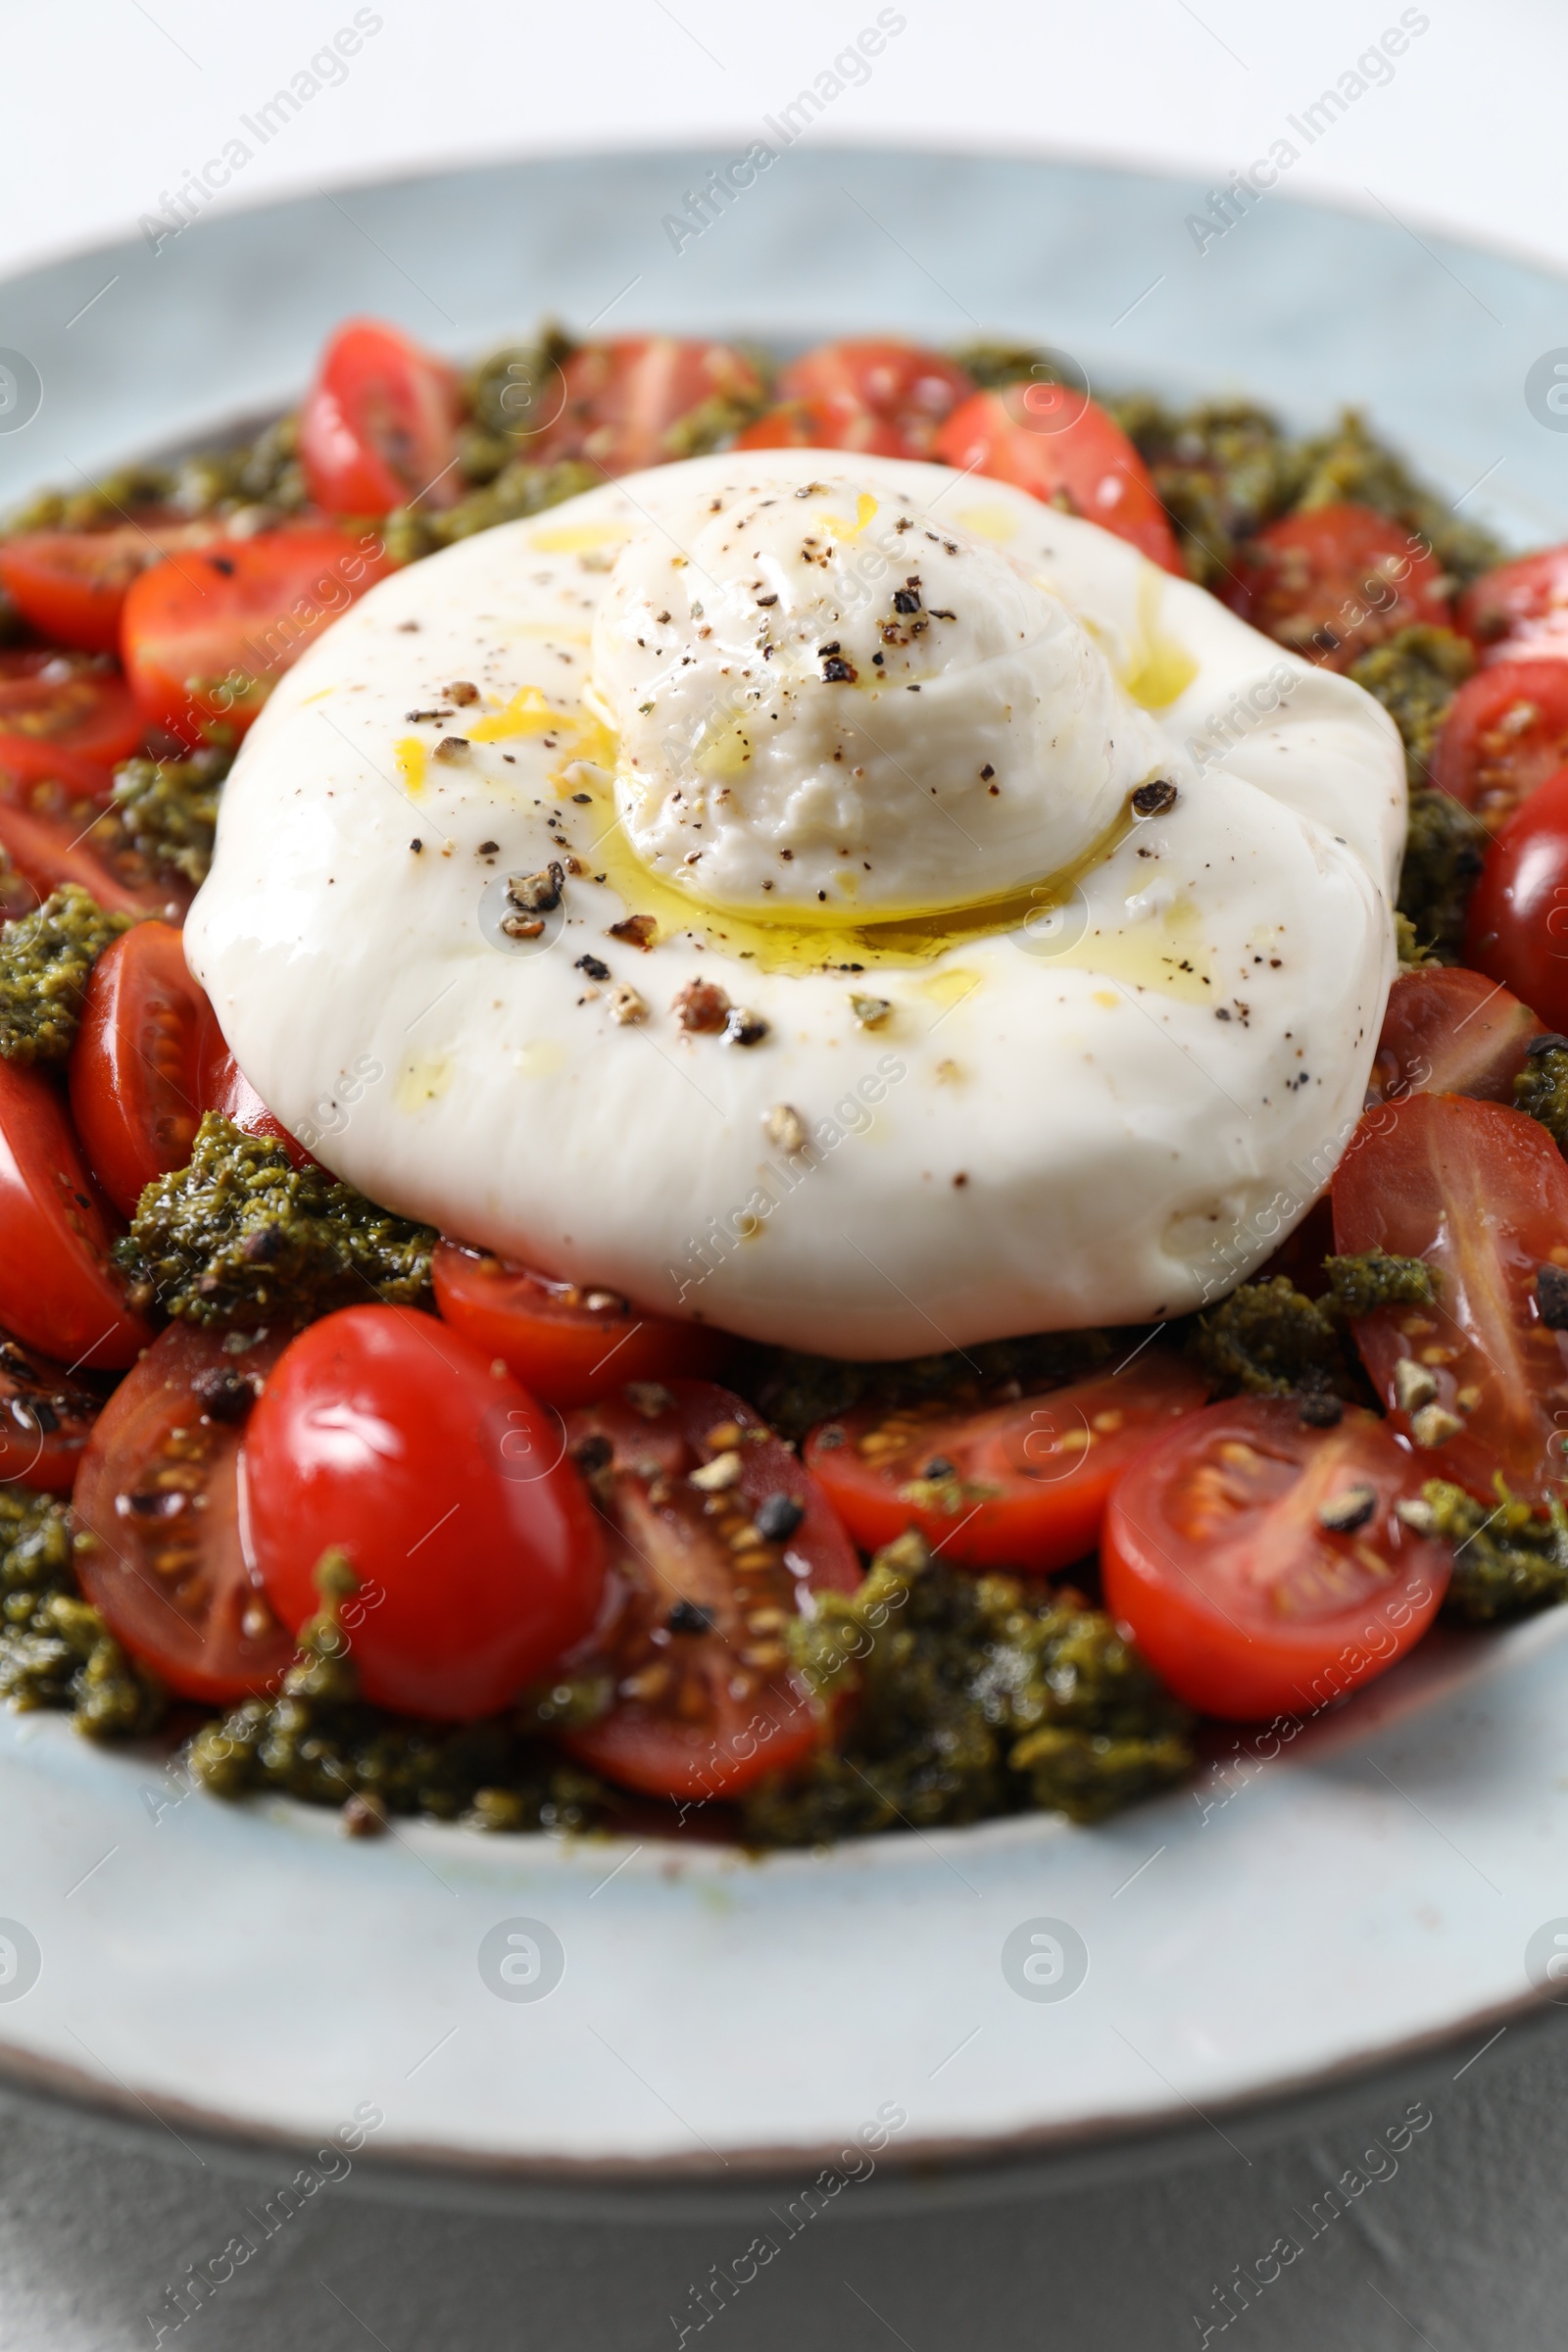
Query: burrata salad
[770, 1099]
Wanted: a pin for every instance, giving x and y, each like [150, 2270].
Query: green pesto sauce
[1415, 677]
[1511, 1559]
[46, 960]
[1444, 848]
[1541, 1089]
[241, 1236]
[167, 810]
[55, 1650]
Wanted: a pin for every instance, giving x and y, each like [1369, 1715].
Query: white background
[111, 103]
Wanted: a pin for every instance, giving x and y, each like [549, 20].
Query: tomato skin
[621, 399]
[206, 636]
[385, 1432]
[1518, 611]
[132, 1075]
[1481, 1194]
[1449, 1031]
[52, 705]
[224, 1088]
[802, 424]
[378, 424]
[173, 1585]
[890, 397]
[58, 1290]
[72, 585]
[669, 1543]
[45, 1420]
[1331, 582]
[1062, 448]
[562, 1350]
[1051, 1457]
[48, 850]
[1505, 733]
[1239, 1598]
[1516, 930]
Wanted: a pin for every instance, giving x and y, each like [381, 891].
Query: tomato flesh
[804, 425]
[479, 1555]
[157, 1496]
[58, 1288]
[1331, 582]
[1516, 928]
[1020, 1484]
[378, 426]
[704, 1700]
[45, 1420]
[622, 399]
[1063, 449]
[206, 635]
[567, 1341]
[1448, 1030]
[893, 397]
[1519, 609]
[72, 585]
[47, 851]
[1217, 1556]
[1505, 733]
[52, 704]
[134, 1092]
[1477, 1380]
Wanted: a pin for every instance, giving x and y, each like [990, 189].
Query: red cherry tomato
[1519, 611]
[378, 426]
[1480, 1193]
[71, 585]
[618, 401]
[802, 424]
[1216, 1556]
[58, 1288]
[705, 1579]
[898, 390]
[1331, 582]
[225, 1089]
[479, 1555]
[1021, 1485]
[158, 1499]
[1063, 449]
[1505, 733]
[1517, 926]
[52, 704]
[133, 1073]
[567, 1341]
[45, 1419]
[208, 634]
[49, 849]
[1448, 1030]
[1299, 1256]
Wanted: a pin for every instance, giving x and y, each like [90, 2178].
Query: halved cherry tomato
[1262, 1565]
[1517, 926]
[58, 1288]
[378, 426]
[1331, 582]
[56, 703]
[1448, 1030]
[51, 849]
[1063, 449]
[135, 1092]
[479, 1555]
[208, 634]
[1519, 611]
[158, 1499]
[72, 585]
[1299, 1256]
[705, 1579]
[566, 1340]
[621, 399]
[802, 424]
[1505, 733]
[1021, 1485]
[898, 391]
[45, 1419]
[225, 1089]
[1479, 1379]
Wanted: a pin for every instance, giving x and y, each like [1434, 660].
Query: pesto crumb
[55, 1649]
[1359, 1285]
[1540, 1091]
[46, 960]
[1509, 1560]
[241, 1234]
[1444, 848]
[1268, 1339]
[169, 809]
[976, 1695]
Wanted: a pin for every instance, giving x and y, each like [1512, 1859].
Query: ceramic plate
[634, 2008]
